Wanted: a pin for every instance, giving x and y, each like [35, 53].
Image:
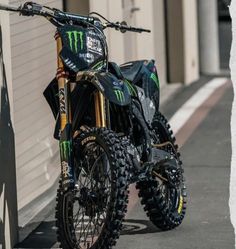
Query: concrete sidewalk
[206, 155]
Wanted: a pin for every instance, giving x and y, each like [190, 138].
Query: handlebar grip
[141, 30]
[124, 28]
[8, 7]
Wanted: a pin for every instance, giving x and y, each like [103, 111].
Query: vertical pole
[160, 43]
[209, 37]
[174, 40]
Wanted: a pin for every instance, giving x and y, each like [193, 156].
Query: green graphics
[98, 65]
[65, 150]
[155, 79]
[132, 90]
[119, 95]
[74, 38]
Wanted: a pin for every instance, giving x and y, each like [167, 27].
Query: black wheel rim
[91, 197]
[171, 195]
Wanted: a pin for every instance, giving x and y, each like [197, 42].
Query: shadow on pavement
[133, 227]
[45, 235]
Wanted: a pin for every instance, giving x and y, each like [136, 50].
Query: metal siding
[33, 67]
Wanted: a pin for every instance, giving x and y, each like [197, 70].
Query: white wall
[5, 25]
[144, 45]
[33, 66]
[159, 39]
[152, 45]
[144, 19]
[112, 10]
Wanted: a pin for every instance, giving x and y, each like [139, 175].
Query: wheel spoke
[84, 214]
[94, 179]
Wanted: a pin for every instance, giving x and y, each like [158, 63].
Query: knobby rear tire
[152, 198]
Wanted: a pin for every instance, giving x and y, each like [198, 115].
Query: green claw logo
[120, 95]
[155, 79]
[74, 37]
[130, 88]
[65, 149]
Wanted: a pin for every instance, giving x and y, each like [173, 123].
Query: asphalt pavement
[206, 156]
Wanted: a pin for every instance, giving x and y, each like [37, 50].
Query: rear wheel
[91, 215]
[165, 201]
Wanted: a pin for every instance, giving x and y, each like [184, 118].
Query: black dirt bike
[110, 132]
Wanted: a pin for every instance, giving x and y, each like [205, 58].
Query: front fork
[66, 138]
[66, 149]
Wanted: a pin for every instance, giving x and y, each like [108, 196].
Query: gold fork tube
[59, 48]
[99, 101]
[62, 80]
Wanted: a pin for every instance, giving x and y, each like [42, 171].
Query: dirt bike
[110, 133]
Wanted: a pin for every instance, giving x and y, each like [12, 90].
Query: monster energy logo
[74, 37]
[120, 95]
[65, 149]
[155, 79]
[131, 88]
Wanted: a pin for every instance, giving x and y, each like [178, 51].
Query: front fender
[114, 90]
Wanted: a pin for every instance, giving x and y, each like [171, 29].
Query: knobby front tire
[90, 217]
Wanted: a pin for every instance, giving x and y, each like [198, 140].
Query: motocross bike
[110, 133]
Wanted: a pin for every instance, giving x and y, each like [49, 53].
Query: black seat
[132, 70]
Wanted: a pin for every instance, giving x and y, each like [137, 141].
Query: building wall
[8, 198]
[191, 51]
[81, 6]
[159, 30]
[133, 46]
[144, 19]
[182, 41]
[112, 10]
[33, 66]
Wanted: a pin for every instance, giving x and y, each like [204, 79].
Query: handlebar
[60, 18]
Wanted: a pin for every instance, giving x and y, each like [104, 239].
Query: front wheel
[91, 215]
[165, 202]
